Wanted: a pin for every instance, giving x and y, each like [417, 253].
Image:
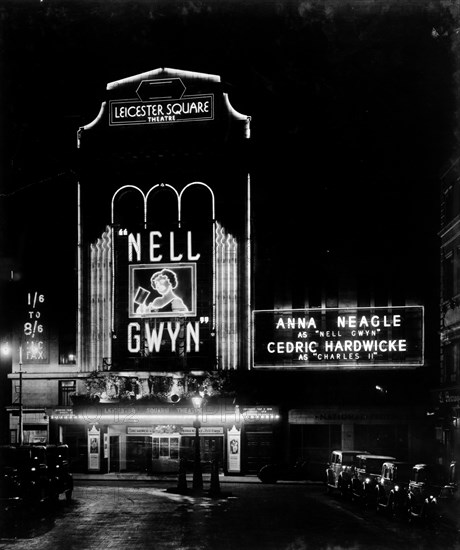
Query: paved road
[133, 515]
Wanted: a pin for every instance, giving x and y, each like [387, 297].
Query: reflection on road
[255, 517]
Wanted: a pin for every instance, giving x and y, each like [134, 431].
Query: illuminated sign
[260, 413]
[163, 284]
[34, 332]
[159, 290]
[234, 450]
[185, 109]
[94, 437]
[333, 337]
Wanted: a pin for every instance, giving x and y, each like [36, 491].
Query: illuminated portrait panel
[162, 290]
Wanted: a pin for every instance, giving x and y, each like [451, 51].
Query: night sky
[353, 108]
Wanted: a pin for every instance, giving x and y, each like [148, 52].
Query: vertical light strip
[98, 304]
[229, 290]
[110, 292]
[218, 297]
[79, 285]
[248, 276]
[234, 303]
[224, 305]
[92, 312]
[214, 289]
[104, 317]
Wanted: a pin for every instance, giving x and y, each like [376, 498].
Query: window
[165, 447]
[448, 277]
[66, 389]
[448, 205]
[450, 360]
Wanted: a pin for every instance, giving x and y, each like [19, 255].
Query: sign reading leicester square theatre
[161, 101]
[332, 337]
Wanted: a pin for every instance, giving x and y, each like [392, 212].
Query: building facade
[173, 302]
[446, 396]
[163, 286]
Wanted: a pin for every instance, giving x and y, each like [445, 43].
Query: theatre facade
[168, 310]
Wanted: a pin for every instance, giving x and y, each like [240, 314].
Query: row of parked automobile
[405, 489]
[33, 475]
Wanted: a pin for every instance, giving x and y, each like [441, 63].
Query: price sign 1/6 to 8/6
[36, 344]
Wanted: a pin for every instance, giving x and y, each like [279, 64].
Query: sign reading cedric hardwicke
[161, 101]
[354, 338]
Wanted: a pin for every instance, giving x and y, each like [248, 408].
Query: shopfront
[397, 432]
[111, 437]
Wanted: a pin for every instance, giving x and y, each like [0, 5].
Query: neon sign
[34, 330]
[186, 109]
[333, 337]
[162, 290]
[163, 278]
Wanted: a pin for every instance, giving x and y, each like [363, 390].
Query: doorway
[114, 457]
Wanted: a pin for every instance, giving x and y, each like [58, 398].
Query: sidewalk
[166, 477]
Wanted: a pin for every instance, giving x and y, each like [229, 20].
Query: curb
[174, 479]
[169, 479]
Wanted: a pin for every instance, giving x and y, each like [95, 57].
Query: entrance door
[212, 448]
[114, 462]
[259, 447]
[139, 454]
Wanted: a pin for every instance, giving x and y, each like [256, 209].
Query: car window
[403, 472]
[374, 466]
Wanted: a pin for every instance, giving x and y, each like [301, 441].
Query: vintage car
[10, 485]
[271, 473]
[61, 479]
[432, 490]
[33, 474]
[392, 487]
[365, 476]
[25, 479]
[340, 470]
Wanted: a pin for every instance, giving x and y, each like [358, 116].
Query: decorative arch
[188, 187]
[121, 191]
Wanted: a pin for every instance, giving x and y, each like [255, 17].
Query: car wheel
[341, 488]
[429, 511]
[392, 508]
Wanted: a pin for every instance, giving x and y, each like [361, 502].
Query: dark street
[285, 516]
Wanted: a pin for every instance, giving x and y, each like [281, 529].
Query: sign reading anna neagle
[161, 101]
[332, 337]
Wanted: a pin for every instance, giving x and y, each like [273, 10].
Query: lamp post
[197, 485]
[21, 420]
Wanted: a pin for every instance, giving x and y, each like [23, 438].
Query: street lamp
[197, 401]
[21, 419]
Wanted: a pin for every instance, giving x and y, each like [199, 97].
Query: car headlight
[396, 487]
[367, 480]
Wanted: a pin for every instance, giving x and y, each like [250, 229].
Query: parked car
[340, 470]
[33, 474]
[432, 489]
[271, 473]
[365, 476]
[392, 487]
[10, 486]
[61, 479]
